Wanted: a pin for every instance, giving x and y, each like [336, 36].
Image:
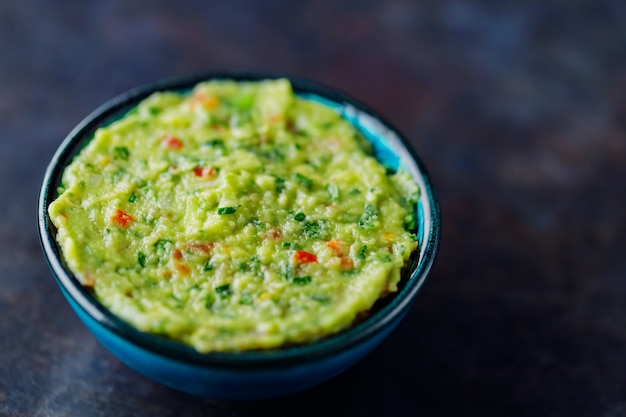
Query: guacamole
[236, 216]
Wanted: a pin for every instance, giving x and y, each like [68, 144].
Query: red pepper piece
[206, 172]
[122, 219]
[304, 257]
[172, 142]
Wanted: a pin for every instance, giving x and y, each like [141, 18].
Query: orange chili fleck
[122, 219]
[205, 247]
[172, 142]
[335, 245]
[208, 102]
[183, 269]
[304, 257]
[177, 254]
[347, 264]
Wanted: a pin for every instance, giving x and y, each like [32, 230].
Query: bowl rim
[270, 358]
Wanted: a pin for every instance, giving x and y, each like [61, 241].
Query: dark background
[518, 109]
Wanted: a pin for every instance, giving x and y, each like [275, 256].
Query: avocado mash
[234, 217]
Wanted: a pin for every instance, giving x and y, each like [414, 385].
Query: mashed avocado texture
[234, 217]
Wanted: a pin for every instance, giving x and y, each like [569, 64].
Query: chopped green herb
[301, 280]
[354, 191]
[409, 222]
[320, 298]
[312, 229]
[208, 266]
[217, 142]
[295, 246]
[286, 245]
[362, 252]
[177, 302]
[132, 198]
[280, 184]
[227, 210]
[369, 216]
[333, 192]
[299, 216]
[208, 301]
[399, 248]
[224, 291]
[108, 230]
[121, 152]
[141, 259]
[258, 223]
[274, 155]
[304, 181]
[161, 244]
[245, 299]
[255, 263]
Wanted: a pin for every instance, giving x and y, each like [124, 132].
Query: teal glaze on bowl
[254, 374]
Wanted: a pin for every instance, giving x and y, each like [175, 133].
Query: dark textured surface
[518, 109]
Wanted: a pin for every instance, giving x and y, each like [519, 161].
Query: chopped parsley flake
[121, 152]
[303, 180]
[301, 280]
[227, 210]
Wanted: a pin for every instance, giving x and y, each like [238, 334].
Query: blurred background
[517, 108]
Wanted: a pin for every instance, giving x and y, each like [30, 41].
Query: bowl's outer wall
[224, 383]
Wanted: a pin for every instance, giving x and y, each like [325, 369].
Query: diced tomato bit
[177, 254]
[304, 257]
[183, 269]
[204, 172]
[347, 264]
[335, 245]
[172, 142]
[122, 219]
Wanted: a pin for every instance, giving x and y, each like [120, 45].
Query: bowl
[250, 374]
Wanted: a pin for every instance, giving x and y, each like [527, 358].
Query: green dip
[234, 217]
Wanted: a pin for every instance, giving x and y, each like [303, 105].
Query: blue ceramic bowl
[256, 374]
